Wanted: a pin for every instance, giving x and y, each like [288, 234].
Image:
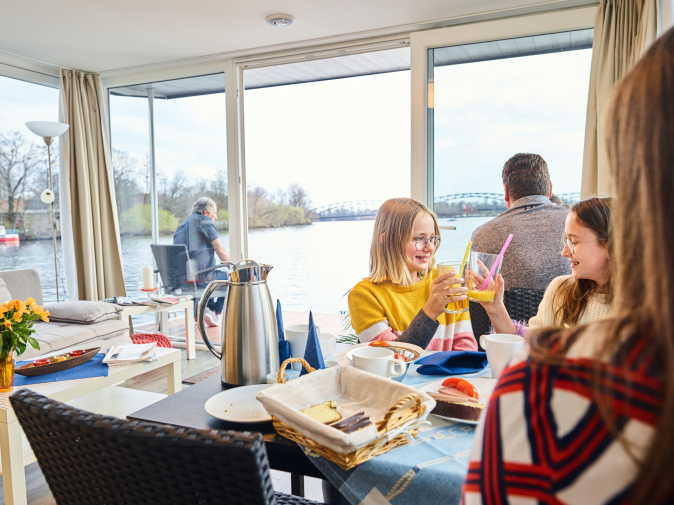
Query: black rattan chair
[98, 460]
[522, 304]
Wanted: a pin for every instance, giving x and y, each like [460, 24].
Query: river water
[314, 265]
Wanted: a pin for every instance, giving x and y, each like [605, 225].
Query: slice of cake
[457, 398]
[325, 412]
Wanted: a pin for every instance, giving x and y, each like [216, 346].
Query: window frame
[485, 31]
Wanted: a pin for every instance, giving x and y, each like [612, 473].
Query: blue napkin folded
[313, 353]
[452, 363]
[283, 344]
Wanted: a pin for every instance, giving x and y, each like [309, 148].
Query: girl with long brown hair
[588, 415]
[585, 295]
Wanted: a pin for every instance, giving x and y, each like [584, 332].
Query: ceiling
[105, 35]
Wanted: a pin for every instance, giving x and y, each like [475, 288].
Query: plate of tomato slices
[57, 363]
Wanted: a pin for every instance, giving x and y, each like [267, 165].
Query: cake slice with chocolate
[457, 398]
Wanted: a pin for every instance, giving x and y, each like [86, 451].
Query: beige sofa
[54, 336]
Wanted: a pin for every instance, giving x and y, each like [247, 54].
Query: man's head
[525, 174]
[206, 206]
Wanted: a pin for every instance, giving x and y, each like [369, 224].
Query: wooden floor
[38, 491]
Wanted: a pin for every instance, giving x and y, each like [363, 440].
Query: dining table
[429, 470]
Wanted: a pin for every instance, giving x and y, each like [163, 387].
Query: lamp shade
[47, 128]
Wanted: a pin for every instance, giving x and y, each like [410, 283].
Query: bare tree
[128, 178]
[298, 197]
[20, 160]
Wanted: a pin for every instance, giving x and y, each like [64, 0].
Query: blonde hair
[392, 230]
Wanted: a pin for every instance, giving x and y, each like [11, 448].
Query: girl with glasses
[403, 298]
[581, 297]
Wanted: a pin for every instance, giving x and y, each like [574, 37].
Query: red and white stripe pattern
[544, 440]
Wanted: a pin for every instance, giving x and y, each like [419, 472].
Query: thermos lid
[250, 271]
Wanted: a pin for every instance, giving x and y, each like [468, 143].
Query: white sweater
[596, 307]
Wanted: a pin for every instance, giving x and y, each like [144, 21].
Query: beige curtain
[96, 254]
[622, 32]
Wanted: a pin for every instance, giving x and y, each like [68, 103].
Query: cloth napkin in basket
[452, 363]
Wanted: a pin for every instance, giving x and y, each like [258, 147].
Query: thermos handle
[212, 286]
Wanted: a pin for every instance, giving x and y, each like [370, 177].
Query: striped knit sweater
[543, 439]
[386, 310]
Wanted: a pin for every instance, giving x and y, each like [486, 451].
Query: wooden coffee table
[96, 394]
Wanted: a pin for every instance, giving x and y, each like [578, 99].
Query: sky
[349, 139]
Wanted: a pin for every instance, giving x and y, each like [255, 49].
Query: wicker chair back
[522, 304]
[94, 459]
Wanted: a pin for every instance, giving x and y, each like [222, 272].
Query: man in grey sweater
[534, 256]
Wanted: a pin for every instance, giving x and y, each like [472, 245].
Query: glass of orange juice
[452, 267]
[480, 278]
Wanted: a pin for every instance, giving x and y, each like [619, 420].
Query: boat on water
[8, 237]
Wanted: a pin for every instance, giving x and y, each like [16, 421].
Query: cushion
[82, 312]
[5, 295]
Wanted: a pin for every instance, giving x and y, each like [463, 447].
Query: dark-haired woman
[587, 415]
[579, 298]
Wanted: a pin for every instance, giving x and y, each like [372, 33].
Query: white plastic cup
[500, 349]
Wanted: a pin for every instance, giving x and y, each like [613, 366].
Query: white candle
[148, 277]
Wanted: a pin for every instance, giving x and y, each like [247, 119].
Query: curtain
[622, 32]
[92, 247]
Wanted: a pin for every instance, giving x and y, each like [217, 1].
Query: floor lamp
[48, 130]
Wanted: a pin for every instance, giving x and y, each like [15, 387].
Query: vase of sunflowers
[16, 333]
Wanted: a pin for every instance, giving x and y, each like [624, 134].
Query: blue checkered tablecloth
[428, 471]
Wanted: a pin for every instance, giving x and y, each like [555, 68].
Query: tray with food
[460, 400]
[344, 414]
[57, 363]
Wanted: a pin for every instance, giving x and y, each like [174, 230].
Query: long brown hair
[392, 229]
[571, 298]
[641, 158]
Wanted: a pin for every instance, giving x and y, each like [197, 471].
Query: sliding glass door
[490, 99]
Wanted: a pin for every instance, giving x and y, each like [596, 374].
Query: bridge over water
[450, 205]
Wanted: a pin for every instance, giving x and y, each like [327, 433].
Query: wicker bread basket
[395, 429]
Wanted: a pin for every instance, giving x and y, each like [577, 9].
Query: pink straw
[497, 262]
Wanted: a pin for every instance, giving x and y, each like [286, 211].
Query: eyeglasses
[570, 243]
[421, 242]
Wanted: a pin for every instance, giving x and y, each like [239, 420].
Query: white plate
[457, 420]
[238, 405]
[485, 385]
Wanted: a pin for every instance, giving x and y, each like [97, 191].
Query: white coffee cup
[297, 336]
[500, 349]
[377, 360]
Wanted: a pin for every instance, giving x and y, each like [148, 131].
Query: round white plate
[457, 420]
[238, 405]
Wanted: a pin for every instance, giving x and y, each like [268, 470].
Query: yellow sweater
[376, 309]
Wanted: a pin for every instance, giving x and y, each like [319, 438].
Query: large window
[23, 176]
[492, 100]
[320, 158]
[189, 161]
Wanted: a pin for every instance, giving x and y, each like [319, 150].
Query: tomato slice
[78, 352]
[467, 388]
[40, 362]
[379, 343]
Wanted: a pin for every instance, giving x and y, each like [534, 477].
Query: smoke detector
[280, 19]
